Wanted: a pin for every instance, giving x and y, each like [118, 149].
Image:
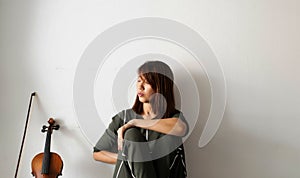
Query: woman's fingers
[120, 138]
[121, 131]
[120, 143]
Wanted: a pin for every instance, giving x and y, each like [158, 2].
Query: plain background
[256, 42]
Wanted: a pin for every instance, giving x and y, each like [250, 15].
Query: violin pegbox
[51, 126]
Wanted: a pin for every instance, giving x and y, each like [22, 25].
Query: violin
[47, 164]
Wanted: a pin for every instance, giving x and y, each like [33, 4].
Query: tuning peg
[56, 127]
[44, 128]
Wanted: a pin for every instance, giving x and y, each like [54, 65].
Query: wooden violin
[47, 164]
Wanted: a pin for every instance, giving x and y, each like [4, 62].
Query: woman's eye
[142, 80]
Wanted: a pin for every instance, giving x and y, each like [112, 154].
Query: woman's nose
[140, 86]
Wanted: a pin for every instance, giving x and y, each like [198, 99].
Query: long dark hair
[160, 76]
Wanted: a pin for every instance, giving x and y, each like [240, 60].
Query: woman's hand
[120, 137]
[121, 131]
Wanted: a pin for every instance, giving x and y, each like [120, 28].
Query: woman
[145, 141]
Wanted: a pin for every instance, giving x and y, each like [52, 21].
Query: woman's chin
[143, 100]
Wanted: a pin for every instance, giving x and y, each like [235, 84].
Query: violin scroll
[51, 126]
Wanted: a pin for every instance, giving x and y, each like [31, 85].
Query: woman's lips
[140, 94]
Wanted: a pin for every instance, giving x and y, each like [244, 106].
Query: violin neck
[46, 158]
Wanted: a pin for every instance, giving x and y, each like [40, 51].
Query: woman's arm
[170, 126]
[105, 156]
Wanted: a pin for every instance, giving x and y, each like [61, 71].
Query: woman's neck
[147, 111]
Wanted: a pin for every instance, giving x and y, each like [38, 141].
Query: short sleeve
[108, 141]
[179, 115]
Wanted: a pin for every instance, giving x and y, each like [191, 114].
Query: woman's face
[144, 89]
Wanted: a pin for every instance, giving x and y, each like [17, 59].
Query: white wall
[256, 42]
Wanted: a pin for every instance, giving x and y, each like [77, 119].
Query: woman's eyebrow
[141, 77]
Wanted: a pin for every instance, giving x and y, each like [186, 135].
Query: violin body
[55, 169]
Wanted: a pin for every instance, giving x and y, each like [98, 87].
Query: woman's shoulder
[127, 114]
